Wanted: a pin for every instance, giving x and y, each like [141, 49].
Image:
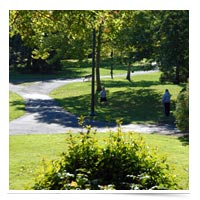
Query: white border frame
[192, 6]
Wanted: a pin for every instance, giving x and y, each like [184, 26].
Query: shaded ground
[44, 115]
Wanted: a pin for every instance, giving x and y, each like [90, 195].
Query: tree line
[40, 39]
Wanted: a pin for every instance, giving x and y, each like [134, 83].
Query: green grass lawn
[74, 69]
[16, 106]
[138, 101]
[28, 151]
[70, 69]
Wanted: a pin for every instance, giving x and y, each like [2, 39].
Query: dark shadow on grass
[28, 78]
[116, 83]
[19, 105]
[137, 105]
[143, 105]
[71, 71]
[128, 84]
[184, 139]
[145, 83]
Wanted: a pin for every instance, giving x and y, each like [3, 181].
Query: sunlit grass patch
[16, 106]
[138, 101]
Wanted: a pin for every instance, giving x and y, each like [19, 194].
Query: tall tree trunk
[112, 63]
[177, 78]
[98, 58]
[93, 74]
[128, 76]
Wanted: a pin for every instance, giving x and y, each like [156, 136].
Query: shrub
[182, 110]
[124, 162]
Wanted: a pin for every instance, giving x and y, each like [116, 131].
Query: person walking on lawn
[166, 102]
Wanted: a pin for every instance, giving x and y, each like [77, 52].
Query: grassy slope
[177, 153]
[27, 152]
[138, 101]
[16, 106]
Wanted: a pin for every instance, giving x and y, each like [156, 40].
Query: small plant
[123, 162]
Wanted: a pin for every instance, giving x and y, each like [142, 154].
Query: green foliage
[124, 162]
[19, 54]
[22, 171]
[26, 59]
[182, 109]
[136, 38]
[173, 43]
[56, 35]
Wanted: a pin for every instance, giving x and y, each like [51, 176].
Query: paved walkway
[45, 116]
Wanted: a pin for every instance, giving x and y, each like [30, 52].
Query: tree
[20, 55]
[52, 34]
[173, 42]
[107, 24]
[136, 38]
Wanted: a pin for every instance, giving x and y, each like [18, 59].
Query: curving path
[45, 116]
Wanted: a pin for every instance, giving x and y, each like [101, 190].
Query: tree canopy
[48, 36]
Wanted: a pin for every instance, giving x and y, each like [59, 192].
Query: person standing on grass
[166, 102]
[103, 97]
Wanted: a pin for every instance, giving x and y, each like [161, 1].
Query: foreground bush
[124, 162]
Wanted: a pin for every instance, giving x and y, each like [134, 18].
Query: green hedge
[182, 110]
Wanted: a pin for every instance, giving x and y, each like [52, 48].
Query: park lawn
[28, 151]
[176, 149]
[138, 101]
[16, 106]
[71, 69]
